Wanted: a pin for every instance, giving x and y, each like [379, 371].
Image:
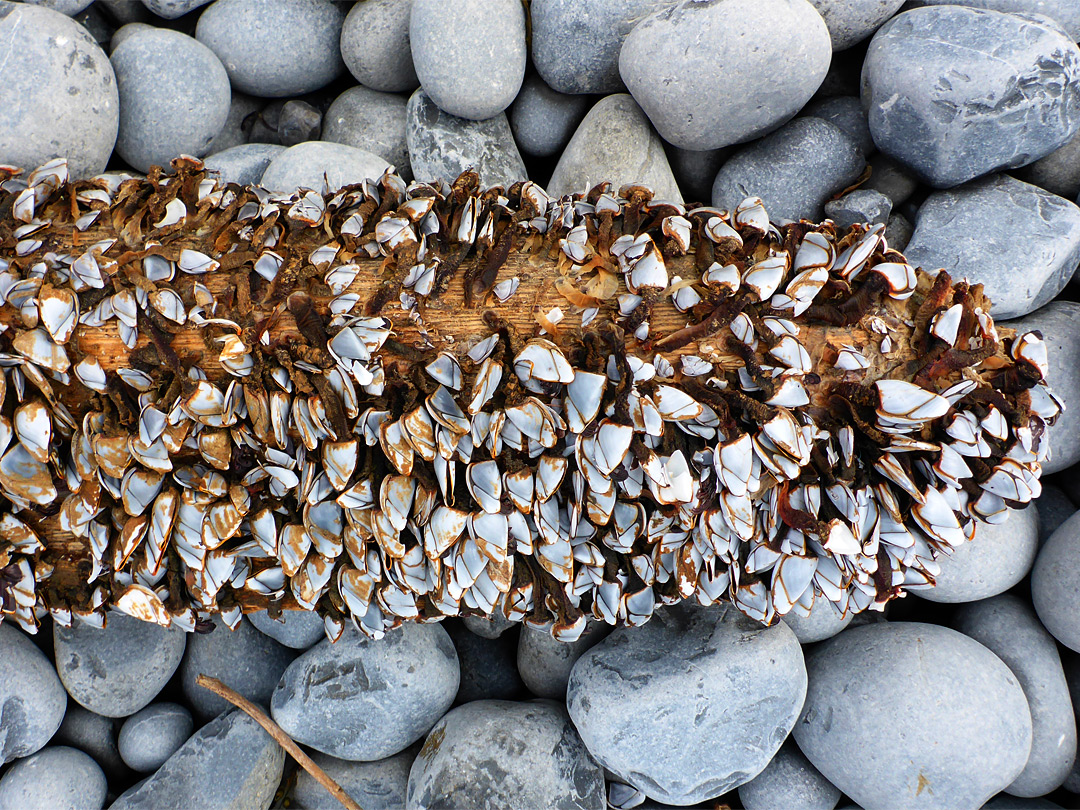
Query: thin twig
[283, 739]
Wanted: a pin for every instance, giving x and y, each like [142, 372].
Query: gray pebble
[695, 170]
[442, 146]
[174, 97]
[1055, 584]
[171, 9]
[543, 120]
[694, 703]
[1021, 265]
[361, 699]
[859, 206]
[368, 119]
[375, 45]
[317, 164]
[999, 557]
[55, 778]
[966, 111]
[117, 670]
[32, 699]
[152, 735]
[545, 663]
[126, 11]
[823, 622]
[298, 629]
[676, 85]
[614, 143]
[789, 781]
[1058, 172]
[469, 54]
[275, 49]
[92, 734]
[794, 170]
[488, 668]
[493, 754]
[58, 97]
[244, 164]
[891, 179]
[898, 232]
[848, 114]
[1009, 628]
[299, 121]
[1054, 508]
[926, 689]
[852, 21]
[67, 7]
[1065, 13]
[235, 132]
[1059, 323]
[378, 785]
[125, 31]
[491, 626]
[230, 763]
[245, 659]
[575, 43]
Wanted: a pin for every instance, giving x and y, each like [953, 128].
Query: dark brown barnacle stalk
[405, 402]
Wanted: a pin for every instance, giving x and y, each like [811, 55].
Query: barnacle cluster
[217, 399]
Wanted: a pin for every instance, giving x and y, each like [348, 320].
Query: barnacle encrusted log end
[392, 403]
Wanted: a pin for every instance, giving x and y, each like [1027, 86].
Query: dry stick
[283, 739]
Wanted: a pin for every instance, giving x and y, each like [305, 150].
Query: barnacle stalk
[372, 403]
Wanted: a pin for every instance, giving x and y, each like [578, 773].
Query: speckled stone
[852, 21]
[55, 778]
[244, 163]
[545, 663]
[125, 31]
[58, 95]
[543, 120]
[92, 734]
[171, 9]
[234, 132]
[789, 781]
[859, 206]
[1065, 13]
[823, 622]
[32, 699]
[298, 629]
[370, 120]
[66, 7]
[1055, 584]
[847, 113]
[378, 785]
[152, 735]
[375, 45]
[318, 164]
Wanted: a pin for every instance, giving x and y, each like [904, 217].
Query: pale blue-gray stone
[545, 663]
[898, 232]
[891, 179]
[489, 626]
[245, 163]
[370, 120]
[171, 9]
[1055, 584]
[67, 7]
[694, 703]
[1065, 13]
[925, 689]
[852, 21]
[848, 114]
[1058, 172]
[125, 31]
[152, 735]
[32, 699]
[378, 785]
[375, 45]
[991, 91]
[823, 622]
[298, 629]
[543, 120]
[790, 782]
[55, 778]
[860, 206]
[92, 734]
[318, 164]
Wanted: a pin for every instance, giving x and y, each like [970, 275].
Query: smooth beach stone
[575, 43]
[493, 754]
[795, 170]
[469, 54]
[117, 670]
[848, 114]
[823, 622]
[852, 21]
[488, 666]
[789, 781]
[298, 121]
[244, 164]
[234, 132]
[898, 232]
[1055, 584]
[543, 120]
[55, 778]
[362, 699]
[378, 785]
[32, 699]
[955, 717]
[1054, 508]
[1008, 627]
[1021, 267]
[174, 97]
[489, 626]
[1000, 555]
[859, 207]
[58, 96]
[545, 663]
[274, 49]
[171, 9]
[67, 7]
[375, 45]
[298, 629]
[1065, 13]
[373, 121]
[1058, 172]
[891, 179]
[317, 165]
[228, 764]
[725, 689]
[442, 146]
[92, 734]
[125, 31]
[1059, 323]
[614, 143]
[675, 62]
[152, 735]
[695, 170]
[972, 106]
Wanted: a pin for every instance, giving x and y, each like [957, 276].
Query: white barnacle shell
[542, 360]
[194, 262]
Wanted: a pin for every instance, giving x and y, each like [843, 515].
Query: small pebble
[299, 122]
[795, 170]
[360, 699]
[174, 97]
[125, 31]
[375, 45]
[379, 785]
[861, 206]
[962, 112]
[235, 130]
[1054, 508]
[117, 670]
[152, 735]
[543, 120]
[32, 699]
[848, 114]
[898, 232]
[728, 691]
[927, 690]
[823, 622]
[999, 557]
[488, 668]
[1008, 627]
[492, 754]
[545, 663]
[852, 21]
[469, 54]
[616, 143]
[695, 170]
[678, 86]
[55, 778]
[368, 119]
[56, 59]
[298, 629]
[274, 49]
[1065, 13]
[1058, 172]
[891, 179]
[67, 7]
[92, 734]
[317, 165]
[1021, 265]
[790, 782]
[442, 146]
[228, 763]
[491, 626]
[171, 9]
[1055, 584]
[244, 164]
